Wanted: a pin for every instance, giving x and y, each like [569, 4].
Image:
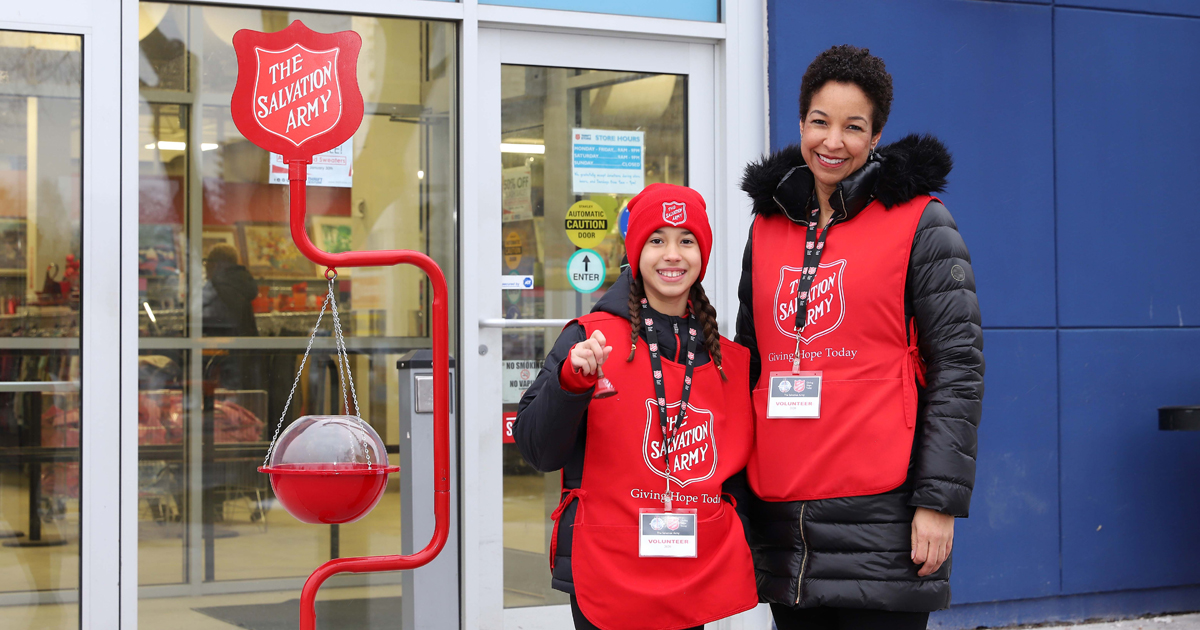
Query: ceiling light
[209, 146]
[536, 149]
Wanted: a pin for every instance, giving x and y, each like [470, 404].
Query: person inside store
[228, 291]
[644, 538]
[858, 307]
[227, 312]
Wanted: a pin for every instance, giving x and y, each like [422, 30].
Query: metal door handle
[523, 323]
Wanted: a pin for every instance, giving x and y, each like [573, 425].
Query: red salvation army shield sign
[826, 301]
[694, 454]
[297, 90]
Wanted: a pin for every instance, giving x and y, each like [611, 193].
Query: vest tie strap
[568, 496]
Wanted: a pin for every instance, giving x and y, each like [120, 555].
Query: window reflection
[40, 274]
[227, 303]
[541, 110]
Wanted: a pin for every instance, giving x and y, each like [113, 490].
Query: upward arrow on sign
[586, 260]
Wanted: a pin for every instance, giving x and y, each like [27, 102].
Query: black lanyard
[813, 248]
[660, 390]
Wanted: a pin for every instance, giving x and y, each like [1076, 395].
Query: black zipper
[804, 560]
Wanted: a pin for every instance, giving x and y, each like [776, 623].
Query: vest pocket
[617, 589]
[860, 445]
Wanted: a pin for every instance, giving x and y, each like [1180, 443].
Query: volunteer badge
[674, 212]
[297, 90]
[794, 395]
[667, 534]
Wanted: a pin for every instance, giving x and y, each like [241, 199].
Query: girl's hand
[932, 539]
[588, 355]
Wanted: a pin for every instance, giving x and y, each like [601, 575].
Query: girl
[644, 539]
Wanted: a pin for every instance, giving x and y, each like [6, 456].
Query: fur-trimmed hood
[914, 165]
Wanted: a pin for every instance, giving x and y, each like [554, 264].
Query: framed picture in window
[13, 246]
[268, 252]
[333, 234]
[218, 235]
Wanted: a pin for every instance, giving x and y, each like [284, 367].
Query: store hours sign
[518, 376]
[605, 161]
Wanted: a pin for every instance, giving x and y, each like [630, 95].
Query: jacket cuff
[575, 382]
[943, 496]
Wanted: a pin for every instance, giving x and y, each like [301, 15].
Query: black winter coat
[551, 425]
[853, 552]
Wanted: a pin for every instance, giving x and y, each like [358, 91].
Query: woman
[855, 272]
[637, 473]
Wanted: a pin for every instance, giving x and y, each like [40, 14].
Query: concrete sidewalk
[1163, 622]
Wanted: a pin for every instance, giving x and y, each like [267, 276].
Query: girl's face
[670, 263]
[836, 134]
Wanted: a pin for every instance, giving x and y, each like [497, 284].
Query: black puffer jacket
[854, 552]
[551, 425]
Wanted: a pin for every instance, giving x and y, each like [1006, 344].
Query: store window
[226, 305]
[702, 10]
[575, 144]
[41, 109]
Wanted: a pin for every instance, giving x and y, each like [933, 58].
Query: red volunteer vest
[623, 471]
[857, 336]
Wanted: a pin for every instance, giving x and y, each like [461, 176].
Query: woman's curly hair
[857, 66]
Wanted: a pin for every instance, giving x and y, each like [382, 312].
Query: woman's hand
[932, 539]
[588, 355]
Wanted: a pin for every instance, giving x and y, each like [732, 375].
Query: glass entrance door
[59, 248]
[580, 125]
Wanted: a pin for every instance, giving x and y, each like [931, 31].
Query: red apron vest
[623, 471]
[857, 336]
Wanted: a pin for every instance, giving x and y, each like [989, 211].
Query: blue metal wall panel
[1130, 493]
[1127, 134]
[1173, 7]
[977, 75]
[1070, 431]
[1008, 548]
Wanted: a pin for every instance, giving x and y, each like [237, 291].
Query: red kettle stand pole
[297, 178]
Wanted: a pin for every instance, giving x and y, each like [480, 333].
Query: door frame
[109, 577]
[97, 23]
[726, 127]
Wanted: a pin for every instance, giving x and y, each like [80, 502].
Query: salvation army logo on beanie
[667, 205]
[674, 212]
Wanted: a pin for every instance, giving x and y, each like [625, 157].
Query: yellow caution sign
[512, 250]
[586, 224]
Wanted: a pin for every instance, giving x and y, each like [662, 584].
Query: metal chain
[341, 344]
[343, 365]
[283, 416]
[344, 357]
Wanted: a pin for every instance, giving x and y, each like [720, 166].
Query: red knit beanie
[666, 205]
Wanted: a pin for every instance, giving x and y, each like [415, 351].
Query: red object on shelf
[299, 296]
[326, 494]
[262, 303]
[297, 95]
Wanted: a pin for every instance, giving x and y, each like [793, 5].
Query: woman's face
[670, 263]
[836, 134]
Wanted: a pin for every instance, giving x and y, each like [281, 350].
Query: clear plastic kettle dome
[343, 442]
[329, 469]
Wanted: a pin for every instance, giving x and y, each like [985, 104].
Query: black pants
[823, 618]
[581, 622]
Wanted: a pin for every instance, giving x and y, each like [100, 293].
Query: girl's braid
[707, 316]
[636, 293]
